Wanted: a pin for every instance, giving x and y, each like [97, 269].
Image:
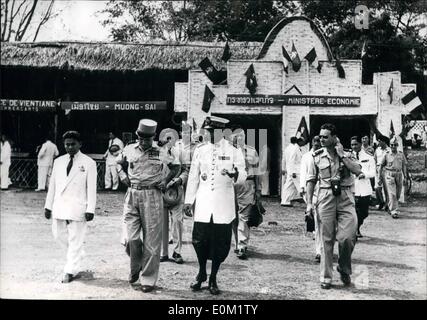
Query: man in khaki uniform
[146, 178]
[247, 193]
[335, 203]
[393, 166]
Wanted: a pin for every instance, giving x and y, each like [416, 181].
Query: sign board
[27, 105]
[114, 105]
[292, 100]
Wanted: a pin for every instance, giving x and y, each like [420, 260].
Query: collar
[75, 156]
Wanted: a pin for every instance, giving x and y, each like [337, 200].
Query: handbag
[256, 213]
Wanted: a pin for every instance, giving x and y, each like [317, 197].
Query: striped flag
[207, 99]
[311, 57]
[390, 91]
[411, 101]
[296, 62]
[286, 59]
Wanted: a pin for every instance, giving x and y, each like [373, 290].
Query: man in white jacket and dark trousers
[47, 153]
[362, 183]
[71, 201]
[216, 166]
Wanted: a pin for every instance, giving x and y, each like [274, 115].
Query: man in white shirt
[6, 154]
[380, 152]
[305, 162]
[111, 157]
[292, 157]
[47, 153]
[362, 183]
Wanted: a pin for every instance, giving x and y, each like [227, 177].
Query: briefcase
[256, 213]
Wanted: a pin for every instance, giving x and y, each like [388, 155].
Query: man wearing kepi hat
[216, 165]
[146, 178]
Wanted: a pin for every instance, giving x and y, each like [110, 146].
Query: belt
[393, 170]
[342, 187]
[251, 178]
[139, 187]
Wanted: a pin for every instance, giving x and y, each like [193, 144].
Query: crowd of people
[216, 180]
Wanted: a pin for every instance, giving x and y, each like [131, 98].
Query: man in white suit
[6, 153]
[216, 166]
[45, 157]
[71, 200]
[111, 175]
[292, 157]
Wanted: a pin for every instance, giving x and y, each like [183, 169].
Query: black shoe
[67, 277]
[177, 258]
[345, 278]
[164, 258]
[381, 206]
[317, 258]
[146, 288]
[213, 288]
[197, 285]
[133, 278]
[170, 241]
[241, 254]
[325, 285]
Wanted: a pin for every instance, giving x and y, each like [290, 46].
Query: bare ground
[388, 263]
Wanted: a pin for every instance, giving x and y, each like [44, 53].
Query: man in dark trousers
[215, 167]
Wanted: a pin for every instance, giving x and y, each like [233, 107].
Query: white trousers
[111, 176]
[265, 183]
[70, 235]
[4, 176]
[290, 189]
[43, 176]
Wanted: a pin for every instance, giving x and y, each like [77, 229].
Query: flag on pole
[411, 101]
[211, 72]
[341, 71]
[296, 62]
[302, 131]
[391, 134]
[390, 91]
[363, 50]
[311, 57]
[207, 99]
[286, 59]
[226, 54]
[251, 82]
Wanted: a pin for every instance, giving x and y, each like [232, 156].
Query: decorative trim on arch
[281, 24]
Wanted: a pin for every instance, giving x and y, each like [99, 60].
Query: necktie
[70, 164]
[357, 155]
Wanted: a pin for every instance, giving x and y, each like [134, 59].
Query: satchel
[256, 213]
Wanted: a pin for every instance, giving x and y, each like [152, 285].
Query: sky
[77, 21]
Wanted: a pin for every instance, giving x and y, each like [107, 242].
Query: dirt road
[388, 263]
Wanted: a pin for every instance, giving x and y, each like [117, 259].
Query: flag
[286, 59]
[296, 62]
[363, 50]
[341, 71]
[391, 134]
[311, 57]
[210, 71]
[194, 126]
[207, 99]
[226, 54]
[251, 82]
[302, 131]
[390, 91]
[411, 101]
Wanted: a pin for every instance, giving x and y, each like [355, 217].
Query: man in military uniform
[379, 154]
[146, 178]
[394, 168]
[335, 203]
[182, 151]
[247, 193]
[216, 166]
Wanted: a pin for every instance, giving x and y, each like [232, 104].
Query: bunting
[302, 131]
[251, 82]
[341, 71]
[411, 101]
[226, 54]
[211, 72]
[207, 99]
[363, 50]
[296, 62]
[391, 133]
[390, 91]
[311, 57]
[286, 59]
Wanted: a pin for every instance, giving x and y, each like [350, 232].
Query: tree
[194, 19]
[21, 17]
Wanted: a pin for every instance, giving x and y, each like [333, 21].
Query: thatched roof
[122, 56]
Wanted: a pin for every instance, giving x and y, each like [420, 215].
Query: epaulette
[200, 144]
[317, 152]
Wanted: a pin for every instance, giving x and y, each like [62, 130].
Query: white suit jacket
[212, 191]
[69, 197]
[293, 157]
[47, 153]
[111, 159]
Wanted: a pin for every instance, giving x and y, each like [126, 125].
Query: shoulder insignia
[318, 152]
